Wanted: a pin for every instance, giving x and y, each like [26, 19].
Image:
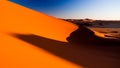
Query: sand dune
[18, 54]
[30, 39]
[82, 53]
[16, 18]
[15, 53]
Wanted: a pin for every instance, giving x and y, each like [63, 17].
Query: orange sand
[16, 18]
[18, 54]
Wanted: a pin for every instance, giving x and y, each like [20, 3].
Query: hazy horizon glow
[76, 9]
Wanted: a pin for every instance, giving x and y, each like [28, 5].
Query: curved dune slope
[15, 53]
[18, 19]
[19, 54]
[30, 39]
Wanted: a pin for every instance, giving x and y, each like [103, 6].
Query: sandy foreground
[16, 53]
[30, 39]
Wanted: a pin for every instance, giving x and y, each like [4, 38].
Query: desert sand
[30, 39]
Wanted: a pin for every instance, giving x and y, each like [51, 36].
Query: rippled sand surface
[108, 32]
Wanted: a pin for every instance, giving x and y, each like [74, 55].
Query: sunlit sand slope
[15, 53]
[18, 19]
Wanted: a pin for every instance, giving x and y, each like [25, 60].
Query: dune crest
[18, 19]
[19, 54]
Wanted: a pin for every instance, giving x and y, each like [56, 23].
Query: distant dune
[109, 29]
[95, 23]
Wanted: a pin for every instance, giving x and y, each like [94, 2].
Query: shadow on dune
[80, 50]
[86, 36]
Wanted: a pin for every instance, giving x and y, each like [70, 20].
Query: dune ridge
[30, 39]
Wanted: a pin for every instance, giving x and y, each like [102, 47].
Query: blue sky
[76, 9]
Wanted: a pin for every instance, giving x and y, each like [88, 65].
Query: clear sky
[76, 9]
